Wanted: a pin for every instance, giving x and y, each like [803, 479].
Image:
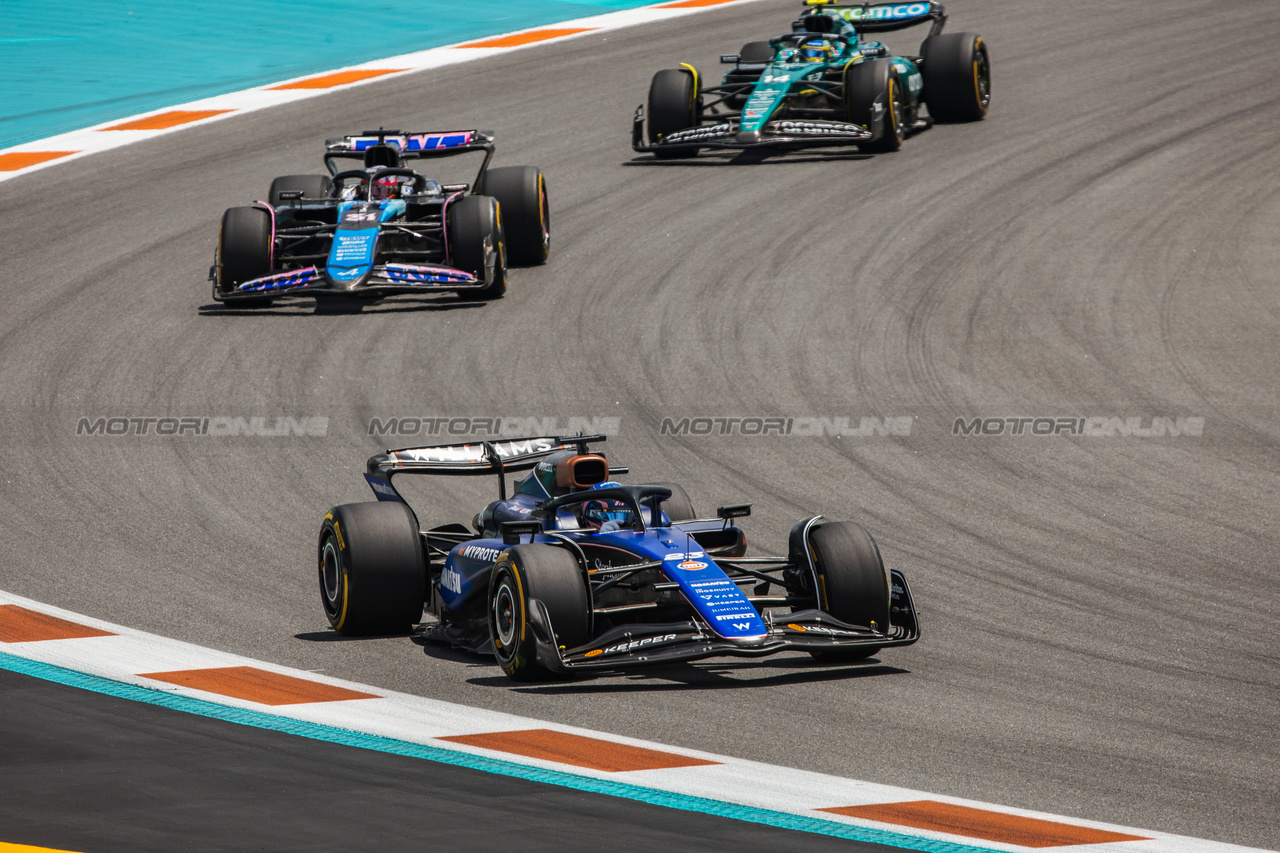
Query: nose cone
[747, 137]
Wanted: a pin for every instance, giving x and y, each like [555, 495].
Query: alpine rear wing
[435, 143]
[885, 17]
[497, 457]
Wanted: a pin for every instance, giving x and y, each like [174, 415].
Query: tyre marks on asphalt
[65, 647]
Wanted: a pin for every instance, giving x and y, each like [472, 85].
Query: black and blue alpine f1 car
[384, 228]
[822, 84]
[576, 571]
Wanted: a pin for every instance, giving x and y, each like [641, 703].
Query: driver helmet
[605, 515]
[389, 187]
[817, 50]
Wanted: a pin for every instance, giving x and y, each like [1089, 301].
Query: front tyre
[874, 98]
[673, 106]
[244, 247]
[477, 243]
[371, 567]
[957, 76]
[853, 584]
[522, 575]
[521, 192]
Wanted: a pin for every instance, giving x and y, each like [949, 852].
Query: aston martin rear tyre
[957, 76]
[673, 106]
[522, 193]
[372, 572]
[522, 576]
[853, 584]
[475, 237]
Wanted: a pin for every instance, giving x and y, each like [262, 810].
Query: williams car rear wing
[885, 17]
[483, 457]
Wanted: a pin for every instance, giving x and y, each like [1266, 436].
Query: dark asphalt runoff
[1098, 612]
[95, 773]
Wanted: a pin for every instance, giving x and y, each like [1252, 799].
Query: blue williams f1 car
[576, 571]
[384, 228]
[822, 84]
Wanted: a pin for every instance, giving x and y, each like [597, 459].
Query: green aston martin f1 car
[823, 83]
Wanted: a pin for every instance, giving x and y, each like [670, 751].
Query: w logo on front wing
[742, 626]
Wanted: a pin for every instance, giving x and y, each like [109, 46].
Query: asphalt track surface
[1098, 613]
[184, 782]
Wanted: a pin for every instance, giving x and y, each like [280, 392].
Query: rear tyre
[853, 584]
[476, 240]
[673, 106]
[522, 193]
[535, 572]
[678, 507]
[873, 98]
[957, 76]
[372, 571]
[244, 250]
[311, 187]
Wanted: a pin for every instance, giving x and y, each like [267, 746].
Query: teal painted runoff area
[68, 65]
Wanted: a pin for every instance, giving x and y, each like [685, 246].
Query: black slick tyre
[673, 106]
[678, 507]
[311, 187]
[873, 98]
[522, 575]
[372, 571]
[476, 240]
[521, 192]
[957, 76]
[853, 584]
[244, 247]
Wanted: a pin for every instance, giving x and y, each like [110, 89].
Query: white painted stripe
[419, 720]
[97, 138]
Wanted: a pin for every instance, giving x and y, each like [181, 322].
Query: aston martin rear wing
[498, 457]
[885, 17]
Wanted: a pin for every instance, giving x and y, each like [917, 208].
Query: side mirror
[729, 58]
[733, 511]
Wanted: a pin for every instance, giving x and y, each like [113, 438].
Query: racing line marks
[257, 685]
[530, 37]
[164, 121]
[579, 751]
[981, 823]
[20, 625]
